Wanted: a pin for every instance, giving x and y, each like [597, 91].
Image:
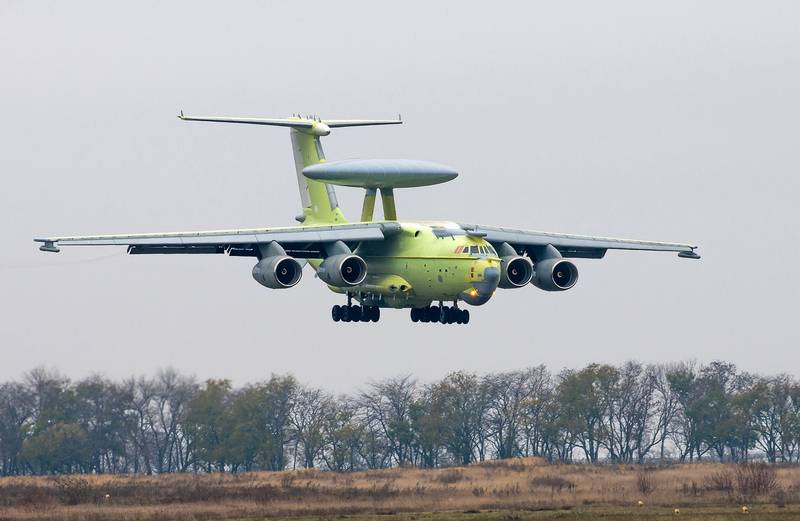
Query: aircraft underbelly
[413, 281]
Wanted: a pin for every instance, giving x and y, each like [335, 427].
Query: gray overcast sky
[676, 121]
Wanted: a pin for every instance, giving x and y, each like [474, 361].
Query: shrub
[479, 491]
[691, 488]
[448, 477]
[287, 479]
[508, 490]
[721, 481]
[509, 465]
[755, 479]
[72, 490]
[779, 497]
[554, 483]
[645, 483]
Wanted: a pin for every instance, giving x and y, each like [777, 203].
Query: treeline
[172, 423]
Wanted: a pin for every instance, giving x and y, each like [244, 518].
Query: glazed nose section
[482, 290]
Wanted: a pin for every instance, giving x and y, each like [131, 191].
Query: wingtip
[689, 254]
[49, 245]
[180, 116]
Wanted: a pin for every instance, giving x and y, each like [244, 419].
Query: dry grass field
[509, 490]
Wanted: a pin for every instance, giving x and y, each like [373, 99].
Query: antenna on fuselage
[380, 174]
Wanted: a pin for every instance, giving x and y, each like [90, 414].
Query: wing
[579, 246]
[298, 241]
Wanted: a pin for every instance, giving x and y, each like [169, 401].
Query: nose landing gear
[440, 314]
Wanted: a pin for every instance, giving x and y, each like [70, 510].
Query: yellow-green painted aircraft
[392, 263]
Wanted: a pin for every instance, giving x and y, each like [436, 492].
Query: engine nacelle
[343, 270]
[554, 275]
[516, 271]
[278, 272]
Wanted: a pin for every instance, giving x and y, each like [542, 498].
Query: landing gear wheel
[424, 315]
[355, 313]
[376, 313]
[415, 314]
[345, 313]
[336, 313]
[433, 314]
[465, 316]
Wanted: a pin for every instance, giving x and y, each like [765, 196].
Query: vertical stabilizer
[317, 197]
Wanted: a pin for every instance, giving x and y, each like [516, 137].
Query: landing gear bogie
[355, 313]
[440, 314]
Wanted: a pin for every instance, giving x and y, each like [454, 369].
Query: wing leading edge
[577, 246]
[304, 240]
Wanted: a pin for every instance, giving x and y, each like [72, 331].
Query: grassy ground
[509, 490]
[600, 514]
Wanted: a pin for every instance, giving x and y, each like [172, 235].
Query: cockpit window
[476, 250]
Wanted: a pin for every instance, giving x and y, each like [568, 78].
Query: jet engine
[516, 271]
[278, 272]
[554, 275]
[343, 270]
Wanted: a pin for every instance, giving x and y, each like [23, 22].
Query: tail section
[318, 198]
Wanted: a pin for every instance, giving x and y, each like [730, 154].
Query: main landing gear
[351, 313]
[355, 313]
[441, 314]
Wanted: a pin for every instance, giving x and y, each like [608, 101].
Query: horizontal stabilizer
[275, 122]
[336, 123]
[308, 125]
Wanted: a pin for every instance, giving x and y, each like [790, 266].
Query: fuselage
[426, 262]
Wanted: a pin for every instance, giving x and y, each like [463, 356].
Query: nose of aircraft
[482, 290]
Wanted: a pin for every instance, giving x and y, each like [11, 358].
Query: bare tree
[166, 416]
[667, 408]
[17, 413]
[539, 398]
[463, 405]
[308, 417]
[509, 395]
[342, 435]
[583, 403]
[629, 402]
[387, 404]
